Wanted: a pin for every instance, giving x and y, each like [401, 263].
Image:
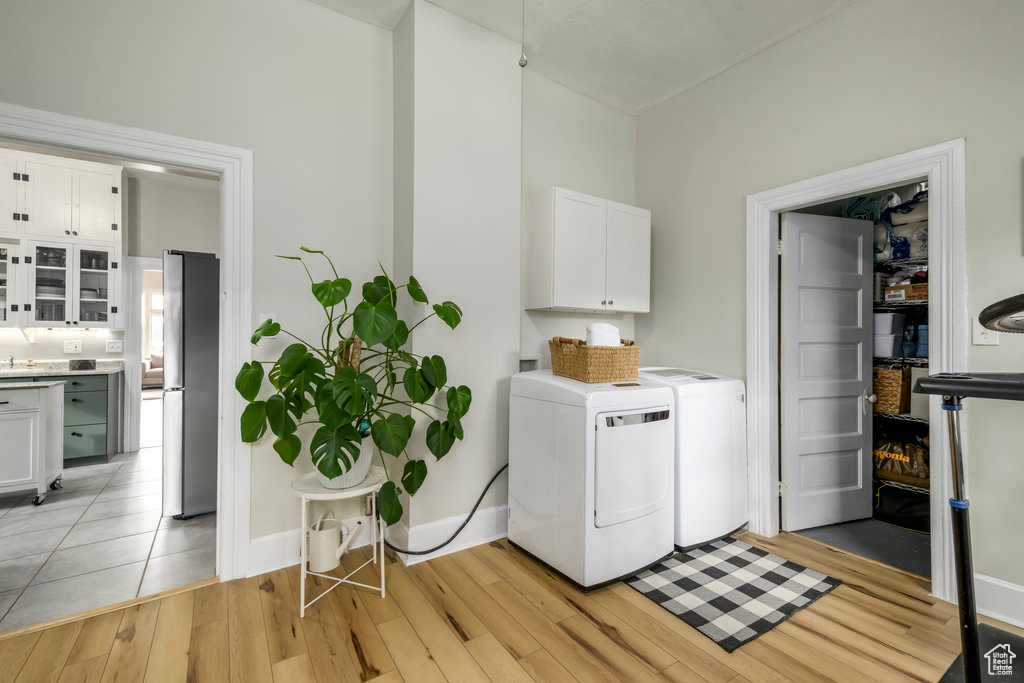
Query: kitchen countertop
[28, 385]
[60, 369]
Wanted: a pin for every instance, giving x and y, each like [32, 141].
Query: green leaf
[455, 422]
[267, 329]
[408, 358]
[332, 292]
[374, 323]
[392, 433]
[434, 371]
[334, 451]
[328, 410]
[353, 391]
[459, 399]
[416, 388]
[413, 474]
[254, 421]
[311, 251]
[288, 447]
[440, 438]
[281, 423]
[249, 379]
[292, 358]
[388, 505]
[415, 291]
[380, 289]
[398, 337]
[449, 312]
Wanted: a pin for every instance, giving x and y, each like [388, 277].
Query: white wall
[307, 89]
[465, 232]
[49, 344]
[576, 142]
[876, 79]
[170, 212]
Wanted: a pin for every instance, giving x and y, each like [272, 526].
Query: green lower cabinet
[85, 408]
[84, 441]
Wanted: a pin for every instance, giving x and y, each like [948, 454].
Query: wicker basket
[892, 387]
[574, 359]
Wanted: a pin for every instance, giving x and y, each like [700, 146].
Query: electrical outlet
[115, 346]
[982, 336]
[72, 346]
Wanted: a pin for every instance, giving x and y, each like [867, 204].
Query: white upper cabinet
[585, 253]
[628, 281]
[11, 190]
[48, 197]
[97, 208]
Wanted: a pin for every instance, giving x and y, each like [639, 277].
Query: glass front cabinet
[71, 285]
[8, 286]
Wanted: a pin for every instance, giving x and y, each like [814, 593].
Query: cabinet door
[579, 251]
[629, 258]
[8, 286]
[94, 286]
[48, 198]
[18, 435]
[97, 207]
[50, 284]
[10, 191]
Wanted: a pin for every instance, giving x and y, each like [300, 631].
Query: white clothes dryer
[590, 489]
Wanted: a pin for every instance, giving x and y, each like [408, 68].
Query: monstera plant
[358, 381]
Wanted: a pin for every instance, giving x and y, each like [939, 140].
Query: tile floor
[97, 541]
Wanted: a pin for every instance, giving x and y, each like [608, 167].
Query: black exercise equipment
[1005, 316]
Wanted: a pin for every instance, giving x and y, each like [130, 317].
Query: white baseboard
[999, 599]
[276, 551]
[487, 525]
[280, 550]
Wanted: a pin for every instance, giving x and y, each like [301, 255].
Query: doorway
[943, 166]
[152, 353]
[854, 451]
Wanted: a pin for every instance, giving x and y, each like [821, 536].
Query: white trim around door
[134, 265]
[234, 166]
[943, 165]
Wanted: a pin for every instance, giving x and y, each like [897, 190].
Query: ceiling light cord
[522, 42]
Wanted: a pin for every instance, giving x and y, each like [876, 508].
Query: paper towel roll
[603, 334]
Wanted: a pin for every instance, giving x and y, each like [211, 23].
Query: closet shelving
[902, 416]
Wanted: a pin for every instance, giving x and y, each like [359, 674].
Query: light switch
[115, 346]
[72, 346]
[982, 336]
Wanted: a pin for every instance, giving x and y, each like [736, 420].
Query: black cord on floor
[457, 531]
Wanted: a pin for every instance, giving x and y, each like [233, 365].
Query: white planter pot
[354, 476]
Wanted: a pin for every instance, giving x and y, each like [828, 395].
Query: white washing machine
[711, 453]
[590, 467]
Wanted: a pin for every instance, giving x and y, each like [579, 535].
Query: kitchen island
[92, 428]
[31, 431]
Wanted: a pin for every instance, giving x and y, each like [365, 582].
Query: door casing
[943, 166]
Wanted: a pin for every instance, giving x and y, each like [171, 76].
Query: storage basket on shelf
[574, 359]
[892, 388]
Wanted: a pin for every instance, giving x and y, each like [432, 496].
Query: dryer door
[633, 464]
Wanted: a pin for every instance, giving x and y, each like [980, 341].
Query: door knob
[869, 400]
[872, 398]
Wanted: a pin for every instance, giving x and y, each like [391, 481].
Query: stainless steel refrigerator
[191, 349]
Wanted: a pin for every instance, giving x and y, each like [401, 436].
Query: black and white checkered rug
[730, 591]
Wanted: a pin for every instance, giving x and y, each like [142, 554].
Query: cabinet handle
[610, 302]
[67, 232]
[76, 400]
[76, 434]
[67, 322]
[76, 384]
[603, 302]
[3, 403]
[74, 232]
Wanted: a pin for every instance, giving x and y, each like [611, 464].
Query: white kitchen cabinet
[72, 285]
[11, 283]
[585, 253]
[11, 193]
[53, 197]
[30, 419]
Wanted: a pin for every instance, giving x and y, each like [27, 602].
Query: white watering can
[325, 542]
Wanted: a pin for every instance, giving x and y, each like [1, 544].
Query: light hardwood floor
[492, 613]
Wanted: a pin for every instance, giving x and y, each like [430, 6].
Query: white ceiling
[630, 55]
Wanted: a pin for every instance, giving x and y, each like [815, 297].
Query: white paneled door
[628, 283]
[825, 370]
